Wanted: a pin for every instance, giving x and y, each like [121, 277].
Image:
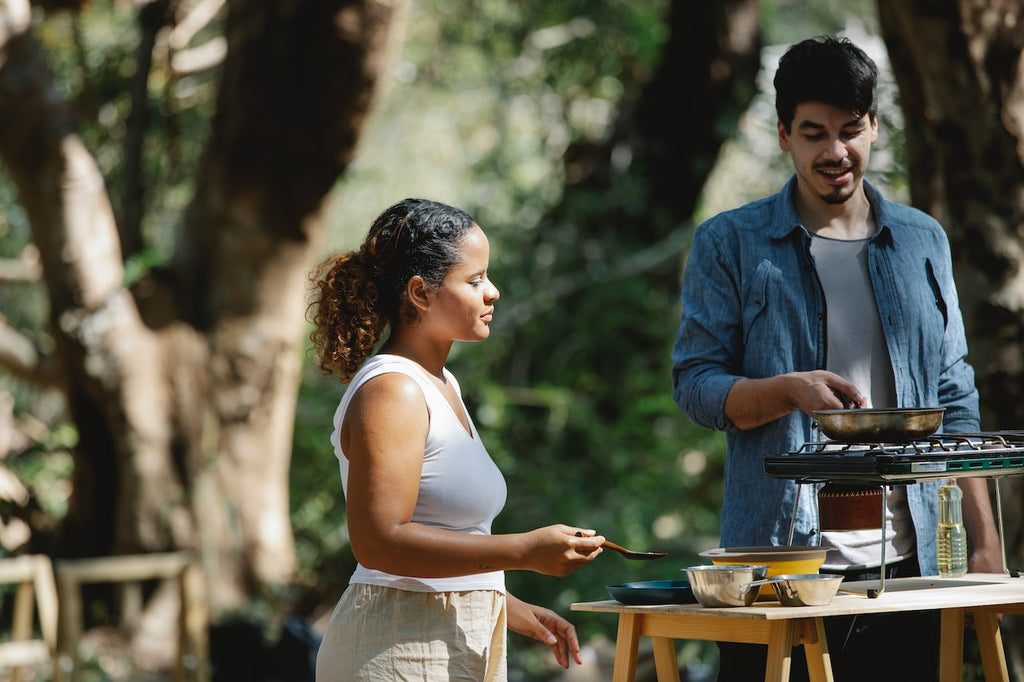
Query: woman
[427, 600]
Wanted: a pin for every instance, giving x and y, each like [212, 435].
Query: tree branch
[24, 268]
[20, 357]
[643, 260]
[196, 20]
[200, 58]
[152, 19]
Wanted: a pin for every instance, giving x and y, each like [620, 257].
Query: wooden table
[984, 595]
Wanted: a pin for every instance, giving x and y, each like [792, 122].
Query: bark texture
[706, 80]
[183, 390]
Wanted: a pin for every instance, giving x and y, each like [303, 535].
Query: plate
[653, 592]
[764, 554]
[779, 560]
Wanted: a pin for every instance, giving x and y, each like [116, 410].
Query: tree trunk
[112, 383]
[958, 64]
[706, 80]
[671, 134]
[297, 87]
[183, 390]
[616, 244]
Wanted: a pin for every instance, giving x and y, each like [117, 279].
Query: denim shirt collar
[785, 219]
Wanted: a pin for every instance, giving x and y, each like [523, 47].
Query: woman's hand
[560, 550]
[546, 626]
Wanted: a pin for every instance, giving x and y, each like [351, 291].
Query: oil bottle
[950, 536]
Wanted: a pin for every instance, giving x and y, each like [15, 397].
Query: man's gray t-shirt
[856, 350]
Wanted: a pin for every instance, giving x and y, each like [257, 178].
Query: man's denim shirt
[753, 307]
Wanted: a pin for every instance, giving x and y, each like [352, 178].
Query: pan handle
[767, 581]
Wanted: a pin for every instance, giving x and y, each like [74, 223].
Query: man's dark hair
[826, 69]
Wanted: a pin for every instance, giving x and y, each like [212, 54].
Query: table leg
[951, 646]
[665, 660]
[993, 659]
[626, 644]
[780, 650]
[819, 662]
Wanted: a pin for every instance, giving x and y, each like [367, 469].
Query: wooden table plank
[780, 651]
[626, 643]
[993, 659]
[781, 627]
[665, 661]
[693, 626]
[951, 645]
[819, 662]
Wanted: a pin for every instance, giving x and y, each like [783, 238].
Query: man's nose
[836, 149]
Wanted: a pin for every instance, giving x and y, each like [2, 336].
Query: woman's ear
[418, 293]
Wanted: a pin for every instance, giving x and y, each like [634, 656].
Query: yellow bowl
[779, 560]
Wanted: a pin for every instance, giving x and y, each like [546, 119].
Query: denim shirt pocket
[756, 300]
[934, 320]
[940, 300]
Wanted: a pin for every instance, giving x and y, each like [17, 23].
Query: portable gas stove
[992, 454]
[982, 454]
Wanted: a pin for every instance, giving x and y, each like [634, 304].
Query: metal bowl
[788, 559]
[869, 425]
[804, 589]
[725, 584]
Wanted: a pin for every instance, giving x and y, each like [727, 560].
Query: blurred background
[172, 170]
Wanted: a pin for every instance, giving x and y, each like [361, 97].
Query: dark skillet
[871, 425]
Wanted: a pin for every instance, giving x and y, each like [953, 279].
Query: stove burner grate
[939, 444]
[993, 454]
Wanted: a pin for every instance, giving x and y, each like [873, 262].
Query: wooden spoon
[629, 554]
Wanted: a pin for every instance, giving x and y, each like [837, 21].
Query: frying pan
[878, 425]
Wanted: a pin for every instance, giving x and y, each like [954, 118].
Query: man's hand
[755, 402]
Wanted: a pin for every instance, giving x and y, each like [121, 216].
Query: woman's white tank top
[461, 488]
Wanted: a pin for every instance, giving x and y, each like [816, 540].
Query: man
[823, 295]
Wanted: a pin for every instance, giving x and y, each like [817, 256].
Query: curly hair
[357, 295]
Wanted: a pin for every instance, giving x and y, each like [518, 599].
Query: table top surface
[899, 594]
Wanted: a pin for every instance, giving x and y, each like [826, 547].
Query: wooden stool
[193, 618]
[33, 574]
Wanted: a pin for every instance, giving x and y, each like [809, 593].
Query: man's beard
[837, 197]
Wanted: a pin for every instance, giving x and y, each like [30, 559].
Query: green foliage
[318, 504]
[24, 306]
[93, 57]
[788, 21]
[572, 393]
[480, 112]
[48, 472]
